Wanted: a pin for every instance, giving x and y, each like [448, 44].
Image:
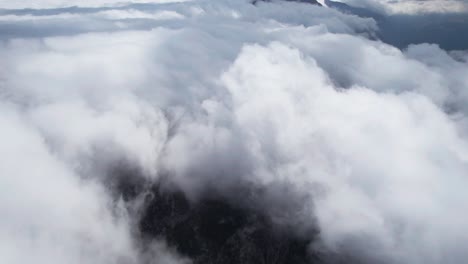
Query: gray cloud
[446, 28]
[213, 96]
[412, 6]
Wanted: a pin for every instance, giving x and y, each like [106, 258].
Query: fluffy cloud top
[9, 4]
[216, 93]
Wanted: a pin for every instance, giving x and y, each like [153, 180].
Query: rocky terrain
[215, 231]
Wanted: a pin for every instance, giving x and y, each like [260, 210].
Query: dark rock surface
[215, 231]
[216, 228]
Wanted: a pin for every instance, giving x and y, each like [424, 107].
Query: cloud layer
[413, 6]
[213, 95]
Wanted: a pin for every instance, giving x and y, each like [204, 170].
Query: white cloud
[9, 4]
[50, 216]
[221, 92]
[382, 158]
[413, 6]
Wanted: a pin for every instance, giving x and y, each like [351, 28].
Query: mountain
[214, 230]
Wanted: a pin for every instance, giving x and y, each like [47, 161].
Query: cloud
[23, 4]
[442, 26]
[213, 96]
[328, 137]
[412, 6]
[51, 216]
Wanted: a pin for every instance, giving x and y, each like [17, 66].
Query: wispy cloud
[213, 96]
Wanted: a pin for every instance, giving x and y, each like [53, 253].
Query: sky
[370, 131]
[412, 6]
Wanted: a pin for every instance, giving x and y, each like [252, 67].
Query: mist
[402, 23]
[231, 132]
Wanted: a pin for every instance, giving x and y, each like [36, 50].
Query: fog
[321, 121]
